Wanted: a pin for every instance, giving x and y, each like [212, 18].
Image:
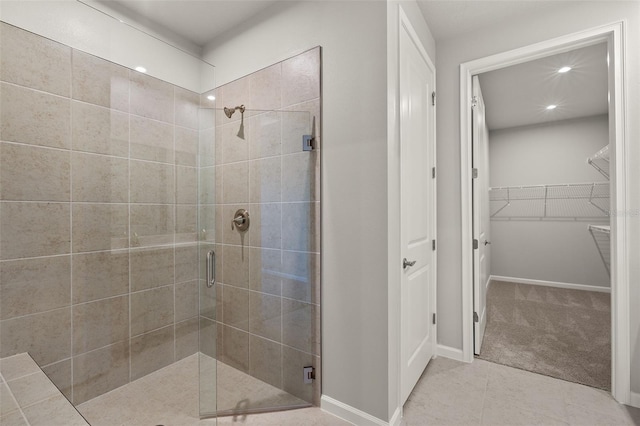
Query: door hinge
[474, 102]
[434, 317]
[474, 173]
[433, 98]
[475, 317]
[433, 244]
[433, 172]
[309, 374]
[475, 244]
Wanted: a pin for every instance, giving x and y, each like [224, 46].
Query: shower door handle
[211, 268]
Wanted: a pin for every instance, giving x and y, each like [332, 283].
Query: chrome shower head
[229, 111]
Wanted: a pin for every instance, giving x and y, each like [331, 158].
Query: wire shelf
[576, 201]
[602, 237]
[600, 161]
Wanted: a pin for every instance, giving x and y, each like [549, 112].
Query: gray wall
[515, 33]
[552, 153]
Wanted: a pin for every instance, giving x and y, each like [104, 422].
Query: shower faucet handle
[240, 220]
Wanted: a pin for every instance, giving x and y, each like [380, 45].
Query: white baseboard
[551, 284]
[635, 399]
[449, 352]
[351, 414]
[396, 419]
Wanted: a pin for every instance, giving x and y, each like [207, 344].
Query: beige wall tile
[186, 185]
[232, 147]
[152, 224]
[34, 285]
[298, 325]
[34, 229]
[46, 336]
[89, 320]
[186, 263]
[60, 374]
[186, 142]
[186, 338]
[265, 135]
[207, 223]
[265, 87]
[301, 77]
[293, 361]
[151, 97]
[99, 130]
[187, 224]
[100, 82]
[235, 351]
[151, 140]
[265, 178]
[151, 309]
[208, 337]
[34, 118]
[208, 178]
[266, 222]
[301, 177]
[152, 183]
[235, 183]
[301, 226]
[265, 270]
[186, 300]
[207, 146]
[30, 173]
[151, 351]
[99, 371]
[235, 307]
[151, 267]
[265, 316]
[301, 276]
[99, 178]
[265, 360]
[186, 108]
[99, 275]
[34, 61]
[298, 120]
[235, 267]
[100, 227]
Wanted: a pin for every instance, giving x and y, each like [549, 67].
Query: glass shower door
[259, 214]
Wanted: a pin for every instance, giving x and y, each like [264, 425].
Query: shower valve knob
[240, 220]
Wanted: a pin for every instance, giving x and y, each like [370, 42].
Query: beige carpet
[552, 331]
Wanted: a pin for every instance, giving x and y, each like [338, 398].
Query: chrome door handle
[211, 268]
[406, 263]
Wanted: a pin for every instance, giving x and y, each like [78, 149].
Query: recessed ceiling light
[564, 69]
[552, 106]
[211, 98]
[141, 69]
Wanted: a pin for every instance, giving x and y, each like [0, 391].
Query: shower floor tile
[170, 397]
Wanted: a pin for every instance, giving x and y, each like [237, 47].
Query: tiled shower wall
[268, 291]
[98, 211]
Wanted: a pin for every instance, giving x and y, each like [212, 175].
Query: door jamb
[613, 34]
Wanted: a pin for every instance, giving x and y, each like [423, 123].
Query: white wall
[552, 153]
[358, 346]
[518, 32]
[83, 28]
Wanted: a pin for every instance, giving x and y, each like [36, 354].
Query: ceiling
[514, 96]
[518, 95]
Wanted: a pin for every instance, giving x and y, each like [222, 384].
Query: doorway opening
[612, 36]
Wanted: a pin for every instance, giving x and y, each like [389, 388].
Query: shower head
[229, 111]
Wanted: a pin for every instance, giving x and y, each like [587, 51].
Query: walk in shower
[143, 228]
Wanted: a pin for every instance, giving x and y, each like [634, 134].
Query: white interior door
[417, 145]
[481, 215]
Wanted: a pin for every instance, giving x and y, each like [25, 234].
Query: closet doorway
[543, 190]
[551, 201]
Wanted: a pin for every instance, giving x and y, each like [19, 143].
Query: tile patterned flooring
[449, 393]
